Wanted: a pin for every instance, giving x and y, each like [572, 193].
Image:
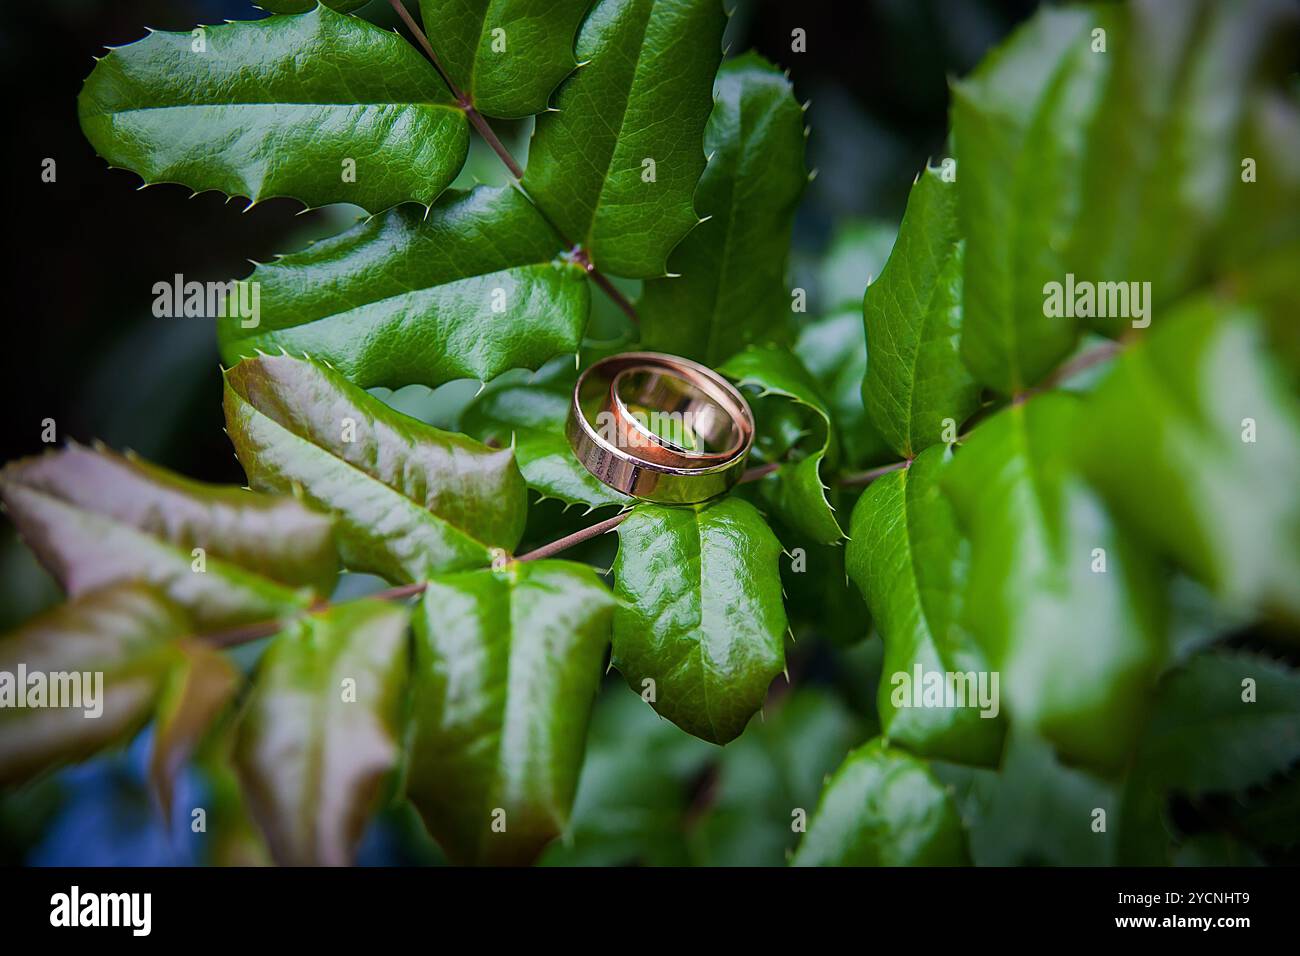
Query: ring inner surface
[676, 413]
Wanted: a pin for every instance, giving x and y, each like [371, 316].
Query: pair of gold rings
[660, 427]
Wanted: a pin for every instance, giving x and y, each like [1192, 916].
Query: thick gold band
[689, 446]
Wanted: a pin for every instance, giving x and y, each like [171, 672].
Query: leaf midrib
[422, 510]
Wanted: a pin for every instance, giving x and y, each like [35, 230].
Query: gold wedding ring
[660, 427]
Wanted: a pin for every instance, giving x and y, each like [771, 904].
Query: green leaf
[473, 289]
[1019, 124]
[321, 88]
[1167, 439]
[834, 350]
[223, 554]
[411, 500]
[818, 597]
[203, 681]
[531, 416]
[1208, 733]
[1036, 811]
[911, 563]
[643, 95]
[506, 56]
[507, 664]
[732, 267]
[1193, 89]
[635, 788]
[795, 491]
[125, 634]
[883, 807]
[321, 729]
[775, 769]
[1077, 648]
[915, 377]
[701, 620]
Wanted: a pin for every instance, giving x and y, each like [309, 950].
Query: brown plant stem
[261, 629]
[867, 477]
[490, 137]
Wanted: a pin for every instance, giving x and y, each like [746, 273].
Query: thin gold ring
[695, 418]
[637, 461]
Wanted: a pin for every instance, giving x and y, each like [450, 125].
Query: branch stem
[490, 137]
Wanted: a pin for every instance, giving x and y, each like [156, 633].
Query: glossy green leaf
[321, 729]
[911, 563]
[916, 384]
[125, 634]
[201, 684]
[1020, 127]
[411, 500]
[1227, 720]
[473, 289]
[883, 807]
[506, 56]
[531, 416]
[701, 627]
[731, 289]
[795, 491]
[1194, 439]
[834, 350]
[227, 109]
[226, 555]
[770, 778]
[1068, 610]
[506, 667]
[616, 165]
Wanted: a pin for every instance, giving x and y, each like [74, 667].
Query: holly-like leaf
[1227, 720]
[531, 416]
[883, 807]
[506, 667]
[834, 350]
[731, 289]
[226, 555]
[1020, 123]
[201, 684]
[1194, 439]
[506, 56]
[616, 165]
[321, 729]
[701, 626]
[411, 500]
[224, 107]
[471, 290]
[1068, 610]
[915, 376]
[115, 645]
[795, 491]
[910, 561]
